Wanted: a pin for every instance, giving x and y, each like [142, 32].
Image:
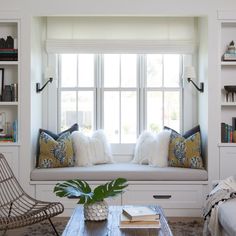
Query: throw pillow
[55, 153]
[73, 128]
[188, 133]
[144, 148]
[161, 149]
[185, 152]
[91, 150]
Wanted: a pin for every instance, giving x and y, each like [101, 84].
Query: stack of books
[8, 54]
[6, 138]
[227, 131]
[139, 217]
[229, 57]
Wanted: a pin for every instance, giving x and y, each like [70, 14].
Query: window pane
[68, 109]
[154, 70]
[171, 70]
[111, 70]
[68, 70]
[128, 70]
[86, 111]
[86, 70]
[172, 110]
[111, 115]
[128, 117]
[154, 111]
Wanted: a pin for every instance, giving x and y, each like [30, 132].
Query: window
[120, 93]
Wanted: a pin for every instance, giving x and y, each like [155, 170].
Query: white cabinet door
[227, 162]
[12, 157]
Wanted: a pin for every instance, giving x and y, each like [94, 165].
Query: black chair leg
[53, 227]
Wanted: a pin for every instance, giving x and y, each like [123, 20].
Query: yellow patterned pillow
[55, 153]
[185, 152]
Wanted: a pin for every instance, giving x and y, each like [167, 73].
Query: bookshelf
[10, 91]
[227, 148]
[9, 80]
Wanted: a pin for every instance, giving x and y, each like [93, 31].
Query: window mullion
[77, 90]
[98, 93]
[163, 92]
[142, 93]
[120, 103]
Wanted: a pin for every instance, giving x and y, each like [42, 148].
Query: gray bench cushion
[129, 171]
[226, 215]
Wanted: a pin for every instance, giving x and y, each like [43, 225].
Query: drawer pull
[162, 196]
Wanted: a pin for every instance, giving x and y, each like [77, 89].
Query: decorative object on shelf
[230, 91]
[2, 122]
[7, 93]
[189, 74]
[1, 82]
[230, 53]
[14, 89]
[49, 75]
[9, 42]
[95, 207]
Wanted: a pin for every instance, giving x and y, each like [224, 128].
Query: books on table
[128, 224]
[135, 213]
[139, 217]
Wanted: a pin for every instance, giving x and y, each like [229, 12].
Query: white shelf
[9, 62]
[228, 63]
[9, 144]
[228, 104]
[227, 144]
[8, 103]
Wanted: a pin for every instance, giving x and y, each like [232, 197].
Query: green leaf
[110, 189]
[74, 188]
[81, 189]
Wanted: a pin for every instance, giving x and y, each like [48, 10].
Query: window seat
[130, 171]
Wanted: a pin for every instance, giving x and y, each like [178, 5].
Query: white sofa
[226, 216]
[180, 191]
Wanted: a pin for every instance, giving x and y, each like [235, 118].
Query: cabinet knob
[162, 196]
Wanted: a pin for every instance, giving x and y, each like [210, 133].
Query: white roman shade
[121, 34]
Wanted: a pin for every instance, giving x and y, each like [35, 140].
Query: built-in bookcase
[228, 106]
[10, 91]
[9, 81]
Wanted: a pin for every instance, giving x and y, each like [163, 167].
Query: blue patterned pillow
[55, 153]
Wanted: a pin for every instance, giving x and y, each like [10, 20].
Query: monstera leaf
[81, 189]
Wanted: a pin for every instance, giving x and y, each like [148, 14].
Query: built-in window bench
[180, 191]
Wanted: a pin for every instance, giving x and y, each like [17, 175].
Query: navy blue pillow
[74, 127]
[188, 133]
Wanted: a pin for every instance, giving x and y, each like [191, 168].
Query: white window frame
[51, 108]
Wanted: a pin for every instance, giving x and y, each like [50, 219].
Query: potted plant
[95, 207]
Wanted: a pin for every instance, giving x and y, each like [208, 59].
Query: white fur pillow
[144, 148]
[91, 150]
[161, 149]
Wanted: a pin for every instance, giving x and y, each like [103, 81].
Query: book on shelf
[229, 57]
[226, 133]
[6, 138]
[8, 54]
[125, 222]
[15, 130]
[143, 213]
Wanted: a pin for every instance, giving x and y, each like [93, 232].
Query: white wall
[26, 9]
[203, 77]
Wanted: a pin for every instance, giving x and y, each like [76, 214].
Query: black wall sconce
[189, 73]
[38, 89]
[48, 74]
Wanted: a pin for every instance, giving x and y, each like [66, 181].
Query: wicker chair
[17, 209]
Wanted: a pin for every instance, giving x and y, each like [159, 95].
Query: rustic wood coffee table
[110, 227]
